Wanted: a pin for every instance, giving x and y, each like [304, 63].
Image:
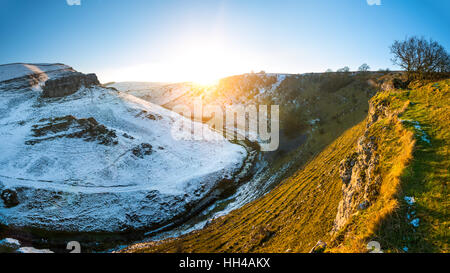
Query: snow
[70, 184]
[280, 79]
[410, 215]
[422, 134]
[314, 121]
[13, 245]
[17, 70]
[410, 200]
[157, 93]
[415, 222]
[9, 242]
[30, 250]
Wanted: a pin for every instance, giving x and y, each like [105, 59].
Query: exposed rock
[146, 114]
[142, 150]
[361, 183]
[377, 111]
[70, 127]
[68, 84]
[359, 171]
[127, 136]
[394, 82]
[345, 168]
[10, 198]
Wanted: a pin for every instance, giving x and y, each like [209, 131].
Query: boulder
[9, 198]
[142, 150]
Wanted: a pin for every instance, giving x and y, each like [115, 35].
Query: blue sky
[165, 40]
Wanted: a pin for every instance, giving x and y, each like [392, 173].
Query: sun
[196, 60]
[203, 63]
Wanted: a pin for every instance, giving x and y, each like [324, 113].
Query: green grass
[427, 177]
[421, 172]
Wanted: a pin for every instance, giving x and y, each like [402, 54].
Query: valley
[330, 184]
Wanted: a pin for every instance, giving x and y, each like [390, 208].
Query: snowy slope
[157, 93]
[229, 93]
[72, 183]
[23, 76]
[18, 70]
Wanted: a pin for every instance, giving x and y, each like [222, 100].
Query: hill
[385, 179]
[78, 157]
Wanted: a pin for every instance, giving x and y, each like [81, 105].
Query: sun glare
[203, 63]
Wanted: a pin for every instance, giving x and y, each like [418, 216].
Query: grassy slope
[292, 217]
[411, 167]
[427, 177]
[301, 210]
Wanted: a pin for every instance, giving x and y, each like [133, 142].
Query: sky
[202, 40]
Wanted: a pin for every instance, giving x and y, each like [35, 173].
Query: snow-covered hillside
[231, 93]
[227, 92]
[18, 70]
[98, 160]
[157, 93]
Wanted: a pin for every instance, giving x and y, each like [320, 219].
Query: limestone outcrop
[68, 84]
[359, 171]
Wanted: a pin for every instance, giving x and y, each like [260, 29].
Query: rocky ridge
[360, 171]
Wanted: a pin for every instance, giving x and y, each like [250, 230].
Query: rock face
[359, 172]
[360, 180]
[375, 112]
[68, 84]
[396, 81]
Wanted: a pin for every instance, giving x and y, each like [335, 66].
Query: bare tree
[419, 57]
[345, 69]
[364, 68]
